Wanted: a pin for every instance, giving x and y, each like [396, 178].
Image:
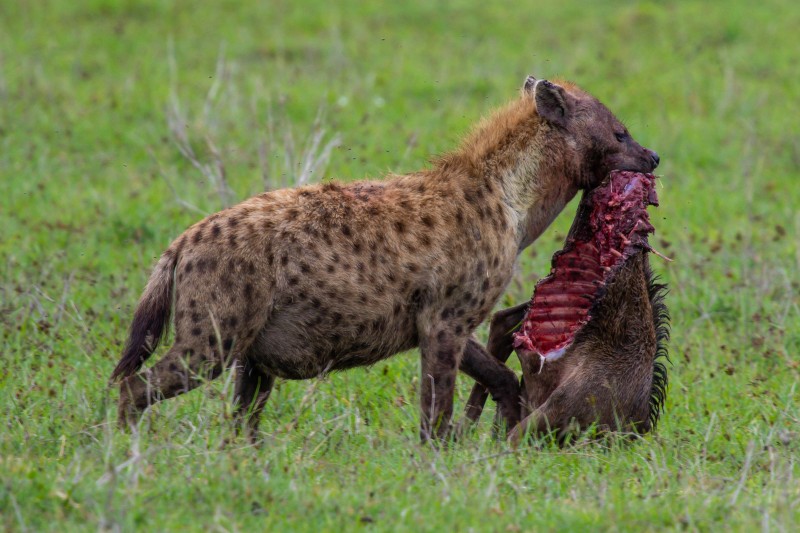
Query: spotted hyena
[298, 282]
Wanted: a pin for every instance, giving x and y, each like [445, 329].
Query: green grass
[85, 159]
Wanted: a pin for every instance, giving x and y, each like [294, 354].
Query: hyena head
[597, 140]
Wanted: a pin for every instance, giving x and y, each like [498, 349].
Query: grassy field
[98, 97]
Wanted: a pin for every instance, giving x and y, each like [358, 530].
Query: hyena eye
[621, 136]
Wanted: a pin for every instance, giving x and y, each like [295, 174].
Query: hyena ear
[530, 83]
[552, 102]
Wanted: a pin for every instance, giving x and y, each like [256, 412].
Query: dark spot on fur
[198, 237]
[173, 367]
[450, 290]
[232, 321]
[486, 284]
[446, 313]
[196, 331]
[428, 221]
[459, 216]
[284, 260]
[248, 291]
[304, 268]
[420, 298]
[459, 329]
[411, 267]
[192, 304]
[292, 281]
[188, 268]
[216, 230]
[336, 319]
[315, 302]
[195, 318]
[425, 240]
[331, 269]
[357, 247]
[346, 231]
[212, 340]
[446, 357]
[291, 214]
[227, 344]
[270, 259]
[441, 336]
[399, 226]
[251, 268]
[233, 222]
[460, 313]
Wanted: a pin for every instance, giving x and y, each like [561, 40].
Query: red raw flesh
[616, 227]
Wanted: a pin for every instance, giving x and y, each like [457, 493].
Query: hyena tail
[151, 319]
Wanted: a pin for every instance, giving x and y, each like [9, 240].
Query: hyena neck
[515, 149]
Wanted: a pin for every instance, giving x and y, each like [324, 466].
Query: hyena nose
[655, 158]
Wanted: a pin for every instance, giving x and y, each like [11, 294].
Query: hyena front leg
[441, 353]
[495, 378]
[500, 346]
[253, 388]
[182, 368]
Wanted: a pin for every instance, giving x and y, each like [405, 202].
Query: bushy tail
[151, 319]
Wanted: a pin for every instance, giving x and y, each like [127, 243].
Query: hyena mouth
[611, 225]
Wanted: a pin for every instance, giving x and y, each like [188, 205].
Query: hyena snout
[654, 158]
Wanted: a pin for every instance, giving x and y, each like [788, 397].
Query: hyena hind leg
[253, 388]
[182, 369]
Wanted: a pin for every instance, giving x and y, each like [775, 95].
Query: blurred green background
[119, 121]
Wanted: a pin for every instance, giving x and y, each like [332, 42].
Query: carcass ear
[552, 102]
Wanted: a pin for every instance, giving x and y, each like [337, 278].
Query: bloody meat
[612, 224]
